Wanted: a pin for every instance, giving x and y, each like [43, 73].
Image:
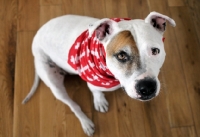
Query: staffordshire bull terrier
[106, 53]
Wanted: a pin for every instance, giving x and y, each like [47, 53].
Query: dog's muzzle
[146, 88]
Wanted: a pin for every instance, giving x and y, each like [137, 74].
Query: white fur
[53, 41]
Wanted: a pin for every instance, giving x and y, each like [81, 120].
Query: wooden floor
[174, 113]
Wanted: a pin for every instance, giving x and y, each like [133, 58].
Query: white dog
[107, 53]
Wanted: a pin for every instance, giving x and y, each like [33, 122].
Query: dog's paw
[88, 126]
[101, 104]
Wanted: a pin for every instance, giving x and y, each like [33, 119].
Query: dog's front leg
[100, 102]
[53, 77]
[61, 94]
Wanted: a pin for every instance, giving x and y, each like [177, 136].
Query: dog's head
[135, 52]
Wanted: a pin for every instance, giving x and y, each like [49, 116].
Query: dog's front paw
[101, 104]
[88, 126]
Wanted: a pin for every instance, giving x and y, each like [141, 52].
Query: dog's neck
[87, 56]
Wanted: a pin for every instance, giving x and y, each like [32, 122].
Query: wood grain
[194, 8]
[177, 95]
[173, 3]
[107, 123]
[174, 113]
[74, 7]
[189, 50]
[130, 116]
[156, 117]
[137, 9]
[8, 34]
[184, 132]
[28, 15]
[50, 2]
[92, 9]
[26, 117]
[49, 12]
[114, 9]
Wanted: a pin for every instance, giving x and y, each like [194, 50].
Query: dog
[106, 53]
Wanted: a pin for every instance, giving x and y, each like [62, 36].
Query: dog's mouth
[139, 97]
[145, 98]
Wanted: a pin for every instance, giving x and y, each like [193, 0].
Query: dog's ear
[158, 21]
[103, 29]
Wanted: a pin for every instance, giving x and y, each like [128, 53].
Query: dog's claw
[88, 126]
[101, 104]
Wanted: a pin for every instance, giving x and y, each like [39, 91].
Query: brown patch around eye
[121, 40]
[118, 43]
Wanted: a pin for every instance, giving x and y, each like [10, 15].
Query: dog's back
[57, 36]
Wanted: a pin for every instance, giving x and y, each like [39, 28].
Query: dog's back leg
[53, 77]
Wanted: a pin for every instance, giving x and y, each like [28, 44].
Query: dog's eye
[122, 56]
[155, 51]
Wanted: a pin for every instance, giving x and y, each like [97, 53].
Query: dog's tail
[33, 89]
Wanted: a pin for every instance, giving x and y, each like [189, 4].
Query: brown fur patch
[121, 40]
[118, 43]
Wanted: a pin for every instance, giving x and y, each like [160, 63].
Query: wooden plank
[61, 121]
[184, 132]
[91, 8]
[158, 6]
[73, 126]
[137, 9]
[8, 40]
[189, 50]
[79, 92]
[28, 15]
[173, 3]
[6, 107]
[49, 12]
[116, 9]
[107, 123]
[73, 7]
[47, 112]
[50, 2]
[177, 96]
[130, 116]
[26, 117]
[177, 99]
[194, 7]
[156, 117]
[6, 83]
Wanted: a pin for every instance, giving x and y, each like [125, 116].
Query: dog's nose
[146, 88]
